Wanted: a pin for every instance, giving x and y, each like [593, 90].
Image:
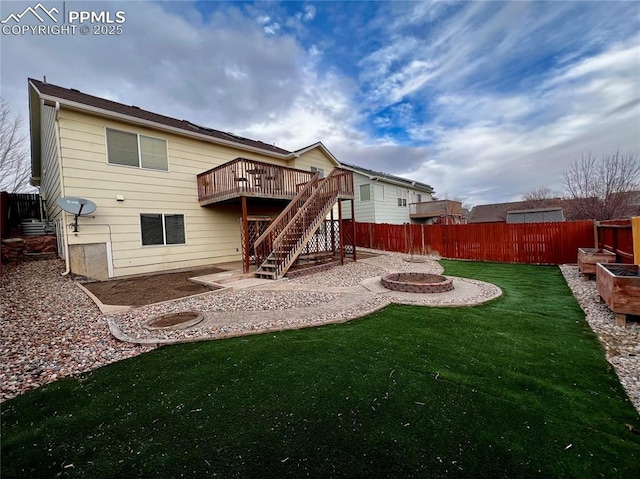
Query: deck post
[341, 232]
[333, 233]
[245, 234]
[353, 232]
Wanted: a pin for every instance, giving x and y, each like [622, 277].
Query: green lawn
[518, 387]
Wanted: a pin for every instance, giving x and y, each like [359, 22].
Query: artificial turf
[518, 387]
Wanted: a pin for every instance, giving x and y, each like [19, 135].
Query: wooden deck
[431, 209]
[243, 177]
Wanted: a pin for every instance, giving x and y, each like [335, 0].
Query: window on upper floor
[319, 170]
[365, 192]
[402, 197]
[162, 229]
[131, 149]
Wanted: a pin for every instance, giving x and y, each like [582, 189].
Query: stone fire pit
[417, 282]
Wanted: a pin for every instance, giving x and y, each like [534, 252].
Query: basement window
[140, 151]
[162, 229]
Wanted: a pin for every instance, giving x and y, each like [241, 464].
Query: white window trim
[401, 195]
[138, 135]
[164, 231]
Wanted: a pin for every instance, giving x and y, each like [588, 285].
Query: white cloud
[449, 75]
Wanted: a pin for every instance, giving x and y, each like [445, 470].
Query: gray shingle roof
[76, 96]
[372, 173]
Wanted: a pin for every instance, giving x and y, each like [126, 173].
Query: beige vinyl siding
[50, 186]
[212, 234]
[315, 158]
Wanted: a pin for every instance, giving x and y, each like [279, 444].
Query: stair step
[265, 275]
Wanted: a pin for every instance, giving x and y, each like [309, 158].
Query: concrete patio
[247, 305]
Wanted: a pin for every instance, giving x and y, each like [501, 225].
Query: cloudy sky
[485, 101]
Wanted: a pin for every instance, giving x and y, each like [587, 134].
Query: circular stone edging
[393, 282]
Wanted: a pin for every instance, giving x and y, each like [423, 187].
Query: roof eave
[159, 126]
[405, 183]
[34, 134]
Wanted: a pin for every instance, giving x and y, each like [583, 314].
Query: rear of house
[141, 170]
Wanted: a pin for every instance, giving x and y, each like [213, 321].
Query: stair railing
[263, 246]
[296, 232]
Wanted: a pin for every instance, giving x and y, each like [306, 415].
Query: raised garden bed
[589, 257]
[619, 286]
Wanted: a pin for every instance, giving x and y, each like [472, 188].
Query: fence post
[635, 236]
[596, 240]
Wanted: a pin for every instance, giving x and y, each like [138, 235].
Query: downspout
[65, 232]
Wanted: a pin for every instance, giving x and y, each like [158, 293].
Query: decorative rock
[51, 329]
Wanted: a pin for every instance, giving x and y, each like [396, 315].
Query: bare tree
[15, 169]
[541, 194]
[542, 197]
[602, 189]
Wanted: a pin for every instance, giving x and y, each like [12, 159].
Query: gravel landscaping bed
[260, 303]
[622, 345]
[350, 274]
[50, 329]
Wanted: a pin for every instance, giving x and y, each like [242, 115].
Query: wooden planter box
[589, 257]
[619, 291]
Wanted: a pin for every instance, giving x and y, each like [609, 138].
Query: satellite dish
[77, 207]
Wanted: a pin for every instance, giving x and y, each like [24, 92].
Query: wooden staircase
[281, 244]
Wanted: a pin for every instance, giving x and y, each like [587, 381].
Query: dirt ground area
[153, 288]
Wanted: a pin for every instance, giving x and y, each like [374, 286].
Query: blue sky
[485, 101]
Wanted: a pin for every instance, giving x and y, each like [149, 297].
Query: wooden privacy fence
[531, 243]
[617, 237]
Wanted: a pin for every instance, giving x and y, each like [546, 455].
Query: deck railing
[243, 177]
[435, 208]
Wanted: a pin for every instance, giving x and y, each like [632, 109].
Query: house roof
[378, 175]
[497, 212]
[534, 210]
[78, 99]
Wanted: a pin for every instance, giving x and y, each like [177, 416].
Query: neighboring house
[171, 194]
[438, 212]
[535, 215]
[557, 209]
[498, 212]
[384, 198]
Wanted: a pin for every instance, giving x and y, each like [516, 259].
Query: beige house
[171, 194]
